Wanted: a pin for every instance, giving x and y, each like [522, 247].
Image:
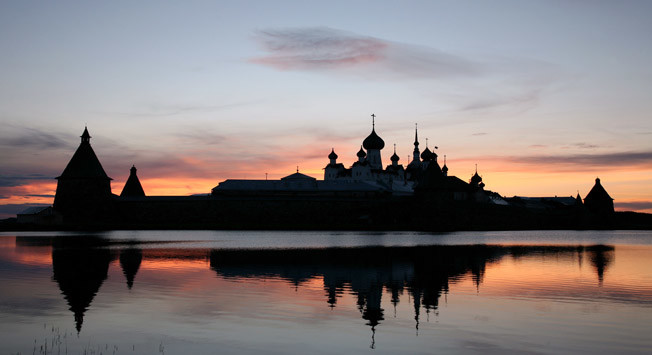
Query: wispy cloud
[581, 145]
[17, 137]
[18, 180]
[586, 161]
[634, 205]
[327, 49]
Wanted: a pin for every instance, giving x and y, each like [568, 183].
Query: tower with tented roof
[133, 188]
[83, 188]
[598, 200]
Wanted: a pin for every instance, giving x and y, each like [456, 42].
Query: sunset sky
[544, 96]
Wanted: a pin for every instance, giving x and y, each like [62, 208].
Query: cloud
[479, 134]
[635, 205]
[27, 137]
[167, 109]
[326, 49]
[522, 98]
[586, 161]
[18, 180]
[581, 145]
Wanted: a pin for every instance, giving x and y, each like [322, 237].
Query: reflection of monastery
[420, 274]
[421, 195]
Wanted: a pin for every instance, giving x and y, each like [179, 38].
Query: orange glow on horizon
[625, 184]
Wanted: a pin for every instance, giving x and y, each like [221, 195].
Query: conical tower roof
[598, 193]
[133, 188]
[84, 163]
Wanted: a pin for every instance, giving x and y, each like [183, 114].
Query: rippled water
[326, 292]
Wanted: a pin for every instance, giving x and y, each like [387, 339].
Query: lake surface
[187, 292]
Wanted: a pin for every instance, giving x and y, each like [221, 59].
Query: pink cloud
[324, 48]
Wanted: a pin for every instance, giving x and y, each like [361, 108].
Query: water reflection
[422, 274]
[130, 260]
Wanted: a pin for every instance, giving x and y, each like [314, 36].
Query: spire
[476, 180]
[373, 121]
[85, 137]
[416, 137]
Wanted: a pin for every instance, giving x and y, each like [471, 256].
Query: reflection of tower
[334, 288]
[80, 272]
[372, 312]
[601, 256]
[416, 298]
[130, 260]
[396, 288]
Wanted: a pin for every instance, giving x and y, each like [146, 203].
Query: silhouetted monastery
[421, 195]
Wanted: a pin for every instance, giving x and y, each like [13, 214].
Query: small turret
[395, 158]
[444, 169]
[86, 137]
[361, 154]
[333, 157]
[133, 188]
[476, 180]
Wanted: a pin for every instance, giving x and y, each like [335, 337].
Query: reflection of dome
[361, 153]
[332, 155]
[373, 141]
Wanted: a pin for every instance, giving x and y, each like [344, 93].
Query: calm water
[192, 292]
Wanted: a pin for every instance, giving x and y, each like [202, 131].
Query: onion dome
[426, 155]
[476, 179]
[444, 168]
[394, 157]
[332, 155]
[373, 141]
[361, 153]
